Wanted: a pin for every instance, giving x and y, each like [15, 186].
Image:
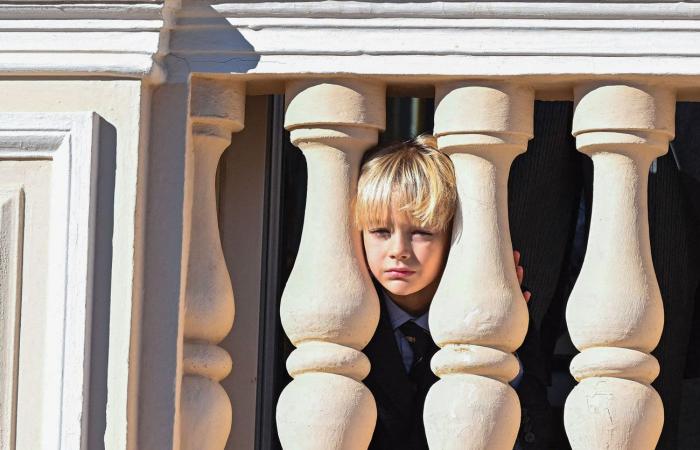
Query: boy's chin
[399, 287]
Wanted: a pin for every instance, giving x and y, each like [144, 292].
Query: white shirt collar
[397, 316]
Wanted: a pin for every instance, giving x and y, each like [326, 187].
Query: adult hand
[520, 271]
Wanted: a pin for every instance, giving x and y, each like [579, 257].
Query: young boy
[405, 204]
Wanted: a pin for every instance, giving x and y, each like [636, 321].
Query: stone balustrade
[615, 315]
[329, 307]
[217, 109]
[478, 317]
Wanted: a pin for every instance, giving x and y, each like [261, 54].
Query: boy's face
[407, 260]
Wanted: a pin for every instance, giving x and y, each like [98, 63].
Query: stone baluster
[478, 316]
[217, 109]
[329, 307]
[615, 314]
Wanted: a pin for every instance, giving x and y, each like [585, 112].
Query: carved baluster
[216, 111]
[329, 307]
[478, 316]
[615, 314]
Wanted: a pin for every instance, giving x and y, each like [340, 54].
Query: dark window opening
[550, 189]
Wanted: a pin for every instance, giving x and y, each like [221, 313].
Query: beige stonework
[143, 369]
[329, 307]
[216, 110]
[615, 315]
[478, 316]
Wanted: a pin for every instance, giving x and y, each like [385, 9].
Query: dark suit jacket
[400, 405]
[545, 189]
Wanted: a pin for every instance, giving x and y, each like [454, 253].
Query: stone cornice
[124, 39]
[540, 42]
[621, 9]
[76, 10]
[552, 41]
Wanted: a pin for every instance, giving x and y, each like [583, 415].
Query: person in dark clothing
[405, 204]
[550, 202]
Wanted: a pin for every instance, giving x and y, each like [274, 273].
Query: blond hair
[413, 176]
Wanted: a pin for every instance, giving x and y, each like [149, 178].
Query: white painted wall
[49, 171]
[115, 348]
[161, 353]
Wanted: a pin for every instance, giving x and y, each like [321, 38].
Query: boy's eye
[379, 231]
[423, 232]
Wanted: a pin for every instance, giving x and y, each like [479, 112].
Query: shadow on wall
[204, 41]
[102, 285]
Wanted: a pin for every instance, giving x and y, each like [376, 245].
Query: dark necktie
[423, 350]
[420, 374]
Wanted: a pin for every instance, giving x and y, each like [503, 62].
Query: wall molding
[11, 238]
[544, 43]
[70, 141]
[126, 40]
[547, 44]
[654, 9]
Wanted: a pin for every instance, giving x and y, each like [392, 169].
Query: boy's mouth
[399, 273]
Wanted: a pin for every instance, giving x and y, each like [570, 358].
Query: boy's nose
[399, 248]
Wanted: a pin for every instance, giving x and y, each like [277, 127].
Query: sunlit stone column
[615, 314]
[216, 111]
[478, 316]
[329, 307]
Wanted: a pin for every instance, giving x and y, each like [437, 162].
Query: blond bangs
[414, 178]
